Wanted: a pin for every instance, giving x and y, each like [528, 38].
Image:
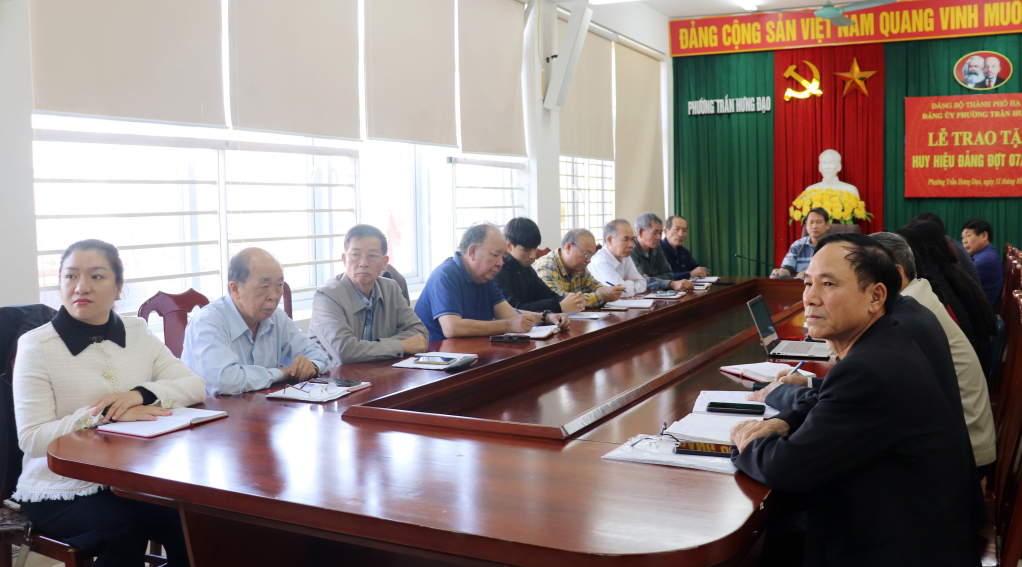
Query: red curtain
[803, 128]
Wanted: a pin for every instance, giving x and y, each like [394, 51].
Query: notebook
[629, 304]
[411, 363]
[728, 397]
[539, 332]
[762, 371]
[713, 279]
[588, 316]
[315, 392]
[181, 418]
[773, 345]
[708, 427]
[672, 295]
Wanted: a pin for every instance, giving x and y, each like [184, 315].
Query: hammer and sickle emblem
[812, 88]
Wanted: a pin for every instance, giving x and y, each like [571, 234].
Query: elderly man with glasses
[359, 316]
[564, 270]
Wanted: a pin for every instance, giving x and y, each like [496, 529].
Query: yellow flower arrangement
[842, 206]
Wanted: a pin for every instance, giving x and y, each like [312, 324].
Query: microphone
[757, 261]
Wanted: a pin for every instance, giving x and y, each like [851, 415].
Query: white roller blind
[640, 163]
[490, 35]
[587, 122]
[410, 71]
[294, 66]
[151, 60]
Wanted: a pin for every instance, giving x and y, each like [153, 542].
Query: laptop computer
[777, 347]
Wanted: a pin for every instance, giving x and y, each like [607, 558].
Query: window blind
[639, 142]
[294, 66]
[125, 58]
[587, 123]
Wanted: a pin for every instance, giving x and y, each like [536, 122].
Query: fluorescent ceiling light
[747, 6]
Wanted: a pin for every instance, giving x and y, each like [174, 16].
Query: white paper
[712, 279]
[540, 332]
[410, 362]
[627, 452]
[142, 428]
[728, 397]
[630, 304]
[701, 286]
[588, 315]
[762, 371]
[708, 427]
[305, 392]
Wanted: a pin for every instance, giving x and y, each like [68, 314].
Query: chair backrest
[1008, 411]
[1011, 278]
[15, 321]
[542, 252]
[174, 308]
[287, 301]
[392, 273]
[1008, 513]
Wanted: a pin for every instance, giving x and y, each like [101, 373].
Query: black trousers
[115, 530]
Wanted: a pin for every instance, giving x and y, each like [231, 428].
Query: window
[487, 191]
[587, 193]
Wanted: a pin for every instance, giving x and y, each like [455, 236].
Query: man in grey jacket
[359, 316]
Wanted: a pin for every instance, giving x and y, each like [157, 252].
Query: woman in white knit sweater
[86, 367]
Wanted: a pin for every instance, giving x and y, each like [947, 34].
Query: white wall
[17, 204]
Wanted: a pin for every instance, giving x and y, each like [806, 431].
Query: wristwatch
[542, 317]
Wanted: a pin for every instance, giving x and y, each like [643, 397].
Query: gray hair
[900, 249]
[574, 235]
[475, 234]
[669, 221]
[237, 269]
[610, 229]
[646, 221]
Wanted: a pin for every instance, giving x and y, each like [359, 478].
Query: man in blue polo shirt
[976, 237]
[460, 298]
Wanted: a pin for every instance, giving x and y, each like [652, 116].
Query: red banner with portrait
[963, 146]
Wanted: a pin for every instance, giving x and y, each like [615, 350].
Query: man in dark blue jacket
[879, 457]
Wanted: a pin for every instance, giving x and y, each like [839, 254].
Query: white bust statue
[830, 165]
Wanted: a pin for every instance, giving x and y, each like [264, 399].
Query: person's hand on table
[143, 413]
[780, 273]
[745, 431]
[523, 323]
[796, 378]
[559, 319]
[414, 344]
[699, 272]
[801, 275]
[301, 368]
[118, 404]
[573, 303]
[682, 285]
[611, 293]
[761, 395]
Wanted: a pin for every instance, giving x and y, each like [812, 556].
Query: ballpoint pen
[794, 370]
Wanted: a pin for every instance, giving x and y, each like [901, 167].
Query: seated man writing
[613, 263]
[649, 258]
[518, 281]
[359, 316]
[242, 342]
[881, 459]
[461, 300]
[564, 270]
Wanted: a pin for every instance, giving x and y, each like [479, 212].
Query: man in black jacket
[886, 475]
[519, 283]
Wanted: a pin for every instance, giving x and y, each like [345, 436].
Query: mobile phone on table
[725, 407]
[509, 339]
[434, 359]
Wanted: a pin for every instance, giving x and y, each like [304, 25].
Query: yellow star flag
[855, 78]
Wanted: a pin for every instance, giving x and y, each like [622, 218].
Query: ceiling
[695, 8]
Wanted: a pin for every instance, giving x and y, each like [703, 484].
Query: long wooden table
[499, 464]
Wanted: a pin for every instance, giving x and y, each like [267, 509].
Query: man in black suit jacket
[879, 455]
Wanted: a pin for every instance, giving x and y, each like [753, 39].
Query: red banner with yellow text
[900, 21]
[963, 146]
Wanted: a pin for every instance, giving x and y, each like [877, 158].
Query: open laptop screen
[761, 316]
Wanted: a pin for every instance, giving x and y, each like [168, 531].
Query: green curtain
[925, 68]
[724, 164]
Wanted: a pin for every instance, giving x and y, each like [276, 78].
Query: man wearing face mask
[242, 342]
[359, 316]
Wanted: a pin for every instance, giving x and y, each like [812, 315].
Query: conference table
[500, 464]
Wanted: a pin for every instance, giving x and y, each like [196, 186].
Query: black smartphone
[509, 339]
[343, 382]
[723, 407]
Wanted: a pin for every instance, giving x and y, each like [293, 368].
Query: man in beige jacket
[359, 316]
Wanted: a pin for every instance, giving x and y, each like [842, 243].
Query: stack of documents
[762, 371]
[411, 363]
[708, 427]
[538, 332]
[728, 397]
[315, 392]
[588, 315]
[629, 304]
[637, 450]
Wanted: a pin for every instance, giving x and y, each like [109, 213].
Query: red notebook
[182, 418]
